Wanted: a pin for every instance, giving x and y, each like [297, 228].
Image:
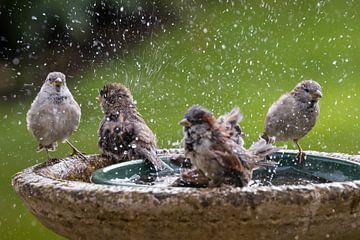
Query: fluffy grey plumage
[123, 133]
[211, 147]
[54, 115]
[294, 114]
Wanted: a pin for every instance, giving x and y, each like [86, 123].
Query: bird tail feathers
[258, 151]
[154, 159]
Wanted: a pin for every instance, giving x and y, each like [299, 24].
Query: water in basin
[288, 171]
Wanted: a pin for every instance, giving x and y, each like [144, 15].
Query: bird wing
[142, 132]
[236, 171]
[39, 122]
[226, 157]
[144, 141]
[232, 118]
[281, 109]
[257, 153]
[230, 124]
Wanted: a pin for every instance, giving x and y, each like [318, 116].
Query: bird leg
[49, 158]
[75, 150]
[300, 155]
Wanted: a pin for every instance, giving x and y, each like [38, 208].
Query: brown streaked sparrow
[212, 150]
[294, 114]
[230, 123]
[123, 133]
[54, 114]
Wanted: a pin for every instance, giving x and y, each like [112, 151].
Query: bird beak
[98, 98]
[185, 123]
[58, 82]
[316, 94]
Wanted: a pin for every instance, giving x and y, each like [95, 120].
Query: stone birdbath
[62, 197]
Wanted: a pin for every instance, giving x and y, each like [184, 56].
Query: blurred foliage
[220, 55]
[36, 37]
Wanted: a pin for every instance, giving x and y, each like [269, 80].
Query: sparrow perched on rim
[294, 114]
[211, 147]
[123, 133]
[54, 114]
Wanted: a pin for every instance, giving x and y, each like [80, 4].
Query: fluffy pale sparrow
[294, 114]
[54, 114]
[123, 133]
[211, 147]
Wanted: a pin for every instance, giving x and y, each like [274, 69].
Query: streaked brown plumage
[212, 148]
[230, 122]
[123, 133]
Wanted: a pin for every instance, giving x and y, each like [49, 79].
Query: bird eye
[307, 90]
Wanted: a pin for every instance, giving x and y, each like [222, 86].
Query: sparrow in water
[212, 148]
[294, 114]
[123, 133]
[230, 124]
[54, 114]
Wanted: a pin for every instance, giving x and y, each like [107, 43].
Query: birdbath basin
[318, 199]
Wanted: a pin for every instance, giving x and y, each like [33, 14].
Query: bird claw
[75, 152]
[272, 140]
[78, 154]
[51, 160]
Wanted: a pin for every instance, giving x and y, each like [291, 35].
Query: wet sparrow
[54, 114]
[230, 124]
[211, 148]
[123, 133]
[294, 114]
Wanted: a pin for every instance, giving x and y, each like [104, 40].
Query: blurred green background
[219, 54]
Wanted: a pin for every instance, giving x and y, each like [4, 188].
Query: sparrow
[230, 122]
[54, 115]
[294, 114]
[212, 149]
[123, 133]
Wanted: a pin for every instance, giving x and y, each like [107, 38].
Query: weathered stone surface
[62, 198]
